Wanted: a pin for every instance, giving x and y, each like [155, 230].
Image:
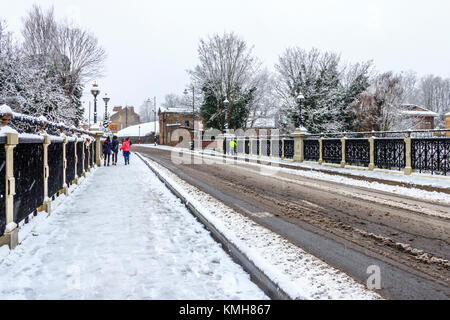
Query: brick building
[124, 117]
[423, 118]
[171, 119]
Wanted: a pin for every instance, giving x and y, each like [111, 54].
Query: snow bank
[133, 131]
[298, 273]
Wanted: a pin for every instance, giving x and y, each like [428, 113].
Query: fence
[418, 151]
[37, 168]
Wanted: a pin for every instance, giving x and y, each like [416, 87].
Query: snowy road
[122, 235]
[347, 226]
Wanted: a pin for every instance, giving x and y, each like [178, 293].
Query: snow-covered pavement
[122, 235]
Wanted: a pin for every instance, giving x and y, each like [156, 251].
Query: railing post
[299, 146]
[75, 145]
[98, 136]
[47, 202]
[343, 163]
[65, 186]
[11, 235]
[372, 153]
[282, 149]
[408, 166]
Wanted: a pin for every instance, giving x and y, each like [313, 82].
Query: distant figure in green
[233, 146]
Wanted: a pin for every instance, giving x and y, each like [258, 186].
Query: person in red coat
[126, 151]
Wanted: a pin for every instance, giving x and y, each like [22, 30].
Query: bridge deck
[122, 235]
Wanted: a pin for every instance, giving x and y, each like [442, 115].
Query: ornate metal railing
[357, 152]
[55, 168]
[431, 155]
[289, 148]
[332, 150]
[268, 147]
[240, 146]
[276, 148]
[390, 153]
[312, 150]
[29, 176]
[70, 158]
[95, 152]
[2, 187]
[86, 156]
[79, 158]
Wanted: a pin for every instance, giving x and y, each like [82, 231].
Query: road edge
[266, 284]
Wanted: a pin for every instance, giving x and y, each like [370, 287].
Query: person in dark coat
[107, 148]
[115, 150]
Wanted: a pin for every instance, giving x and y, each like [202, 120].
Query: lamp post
[95, 91]
[139, 134]
[300, 98]
[106, 99]
[193, 115]
[226, 103]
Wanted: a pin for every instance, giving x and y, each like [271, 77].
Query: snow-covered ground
[121, 235]
[134, 131]
[298, 273]
[314, 173]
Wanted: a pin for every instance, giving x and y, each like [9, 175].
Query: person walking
[115, 150]
[233, 146]
[126, 151]
[107, 147]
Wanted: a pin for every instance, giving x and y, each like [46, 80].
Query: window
[186, 123]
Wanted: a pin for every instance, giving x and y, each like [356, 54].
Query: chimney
[117, 109]
[132, 110]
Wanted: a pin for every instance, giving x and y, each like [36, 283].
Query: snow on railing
[37, 167]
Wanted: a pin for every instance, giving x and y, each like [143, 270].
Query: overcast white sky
[150, 44]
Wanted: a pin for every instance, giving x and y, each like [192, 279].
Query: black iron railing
[357, 152]
[70, 158]
[275, 148]
[332, 150]
[390, 153]
[289, 148]
[80, 158]
[431, 155]
[240, 145]
[86, 156]
[29, 176]
[312, 150]
[247, 146]
[55, 167]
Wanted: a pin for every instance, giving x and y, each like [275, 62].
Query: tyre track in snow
[347, 232]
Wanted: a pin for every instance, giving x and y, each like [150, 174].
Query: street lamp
[95, 92]
[106, 99]
[193, 115]
[226, 103]
[300, 98]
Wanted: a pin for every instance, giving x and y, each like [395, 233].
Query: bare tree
[380, 108]
[434, 93]
[74, 52]
[147, 111]
[40, 32]
[173, 101]
[226, 67]
[265, 103]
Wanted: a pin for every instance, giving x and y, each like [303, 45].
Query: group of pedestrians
[112, 148]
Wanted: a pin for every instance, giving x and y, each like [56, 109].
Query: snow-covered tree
[225, 71]
[46, 73]
[379, 108]
[327, 87]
